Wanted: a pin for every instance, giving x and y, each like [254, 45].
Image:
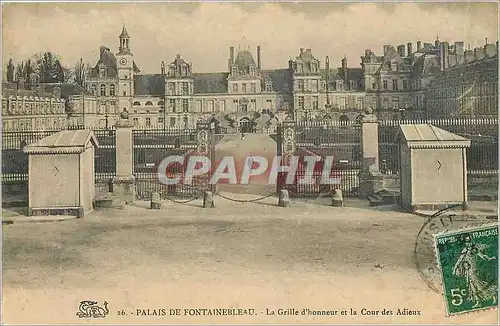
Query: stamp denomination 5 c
[468, 260]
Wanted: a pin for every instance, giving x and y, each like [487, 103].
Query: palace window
[148, 122]
[360, 104]
[171, 104]
[149, 103]
[235, 105]
[314, 85]
[244, 88]
[103, 90]
[253, 88]
[185, 88]
[160, 121]
[395, 103]
[171, 71]
[385, 84]
[395, 85]
[171, 89]
[172, 122]
[386, 103]
[300, 103]
[314, 67]
[185, 121]
[102, 72]
[235, 88]
[343, 103]
[184, 71]
[185, 105]
[315, 102]
[405, 84]
[269, 87]
[352, 85]
[112, 90]
[222, 105]
[300, 85]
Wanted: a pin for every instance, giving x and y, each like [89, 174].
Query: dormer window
[102, 71]
[233, 71]
[171, 71]
[252, 71]
[314, 67]
[269, 87]
[184, 71]
[300, 68]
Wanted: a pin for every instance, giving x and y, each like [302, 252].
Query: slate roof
[151, 84]
[66, 141]
[206, 83]
[392, 55]
[244, 59]
[67, 89]
[282, 79]
[109, 60]
[426, 65]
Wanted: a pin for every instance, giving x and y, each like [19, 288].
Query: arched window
[112, 90]
[136, 103]
[149, 103]
[161, 103]
[103, 90]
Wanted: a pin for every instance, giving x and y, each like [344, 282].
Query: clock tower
[124, 62]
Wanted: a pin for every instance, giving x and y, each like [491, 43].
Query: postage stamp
[468, 261]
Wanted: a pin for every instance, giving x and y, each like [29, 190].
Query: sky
[203, 32]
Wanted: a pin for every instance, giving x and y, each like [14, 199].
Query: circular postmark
[424, 251]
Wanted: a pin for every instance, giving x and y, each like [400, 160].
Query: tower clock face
[123, 61]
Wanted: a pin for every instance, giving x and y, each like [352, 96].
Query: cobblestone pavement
[247, 255]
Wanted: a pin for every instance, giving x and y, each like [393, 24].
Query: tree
[81, 73]
[49, 68]
[10, 71]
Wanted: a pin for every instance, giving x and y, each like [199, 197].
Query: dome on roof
[244, 59]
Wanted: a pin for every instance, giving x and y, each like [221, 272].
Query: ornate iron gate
[340, 140]
[152, 146]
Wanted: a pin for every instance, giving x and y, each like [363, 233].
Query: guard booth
[433, 167]
[61, 174]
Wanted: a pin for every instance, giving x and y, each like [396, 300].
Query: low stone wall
[15, 193]
[482, 186]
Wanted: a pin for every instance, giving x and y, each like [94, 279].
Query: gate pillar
[286, 148]
[124, 182]
[370, 178]
[206, 147]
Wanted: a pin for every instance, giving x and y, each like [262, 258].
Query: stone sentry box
[61, 174]
[433, 167]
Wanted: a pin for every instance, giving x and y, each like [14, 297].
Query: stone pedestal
[155, 201]
[284, 198]
[337, 198]
[124, 182]
[208, 199]
[369, 183]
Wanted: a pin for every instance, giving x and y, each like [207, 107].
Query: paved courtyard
[237, 255]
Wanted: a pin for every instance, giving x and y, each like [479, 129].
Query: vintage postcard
[249, 162]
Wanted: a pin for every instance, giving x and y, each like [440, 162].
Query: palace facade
[432, 79]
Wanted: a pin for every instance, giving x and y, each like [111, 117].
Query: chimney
[469, 56]
[231, 55]
[367, 52]
[443, 55]
[344, 70]
[258, 58]
[386, 49]
[301, 50]
[308, 50]
[401, 50]
[290, 64]
[20, 83]
[409, 48]
[419, 45]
